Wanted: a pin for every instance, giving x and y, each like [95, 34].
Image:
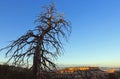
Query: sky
[95, 37]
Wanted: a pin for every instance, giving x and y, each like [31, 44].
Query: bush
[12, 72]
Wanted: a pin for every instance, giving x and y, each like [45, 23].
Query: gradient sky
[95, 38]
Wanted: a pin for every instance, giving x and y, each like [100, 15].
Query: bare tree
[42, 44]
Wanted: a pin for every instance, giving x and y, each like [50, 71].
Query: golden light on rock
[112, 70]
[73, 69]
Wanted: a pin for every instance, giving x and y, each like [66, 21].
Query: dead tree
[42, 44]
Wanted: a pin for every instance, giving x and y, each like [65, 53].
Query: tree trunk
[37, 59]
[36, 73]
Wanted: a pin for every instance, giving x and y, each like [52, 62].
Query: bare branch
[42, 44]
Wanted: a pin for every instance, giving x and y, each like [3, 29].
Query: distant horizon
[73, 65]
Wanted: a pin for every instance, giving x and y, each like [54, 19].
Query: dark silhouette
[12, 72]
[42, 44]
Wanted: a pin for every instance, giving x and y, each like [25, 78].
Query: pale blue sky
[95, 38]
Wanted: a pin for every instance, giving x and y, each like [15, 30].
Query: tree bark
[37, 59]
[35, 63]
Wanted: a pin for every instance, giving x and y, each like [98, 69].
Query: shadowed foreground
[12, 72]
